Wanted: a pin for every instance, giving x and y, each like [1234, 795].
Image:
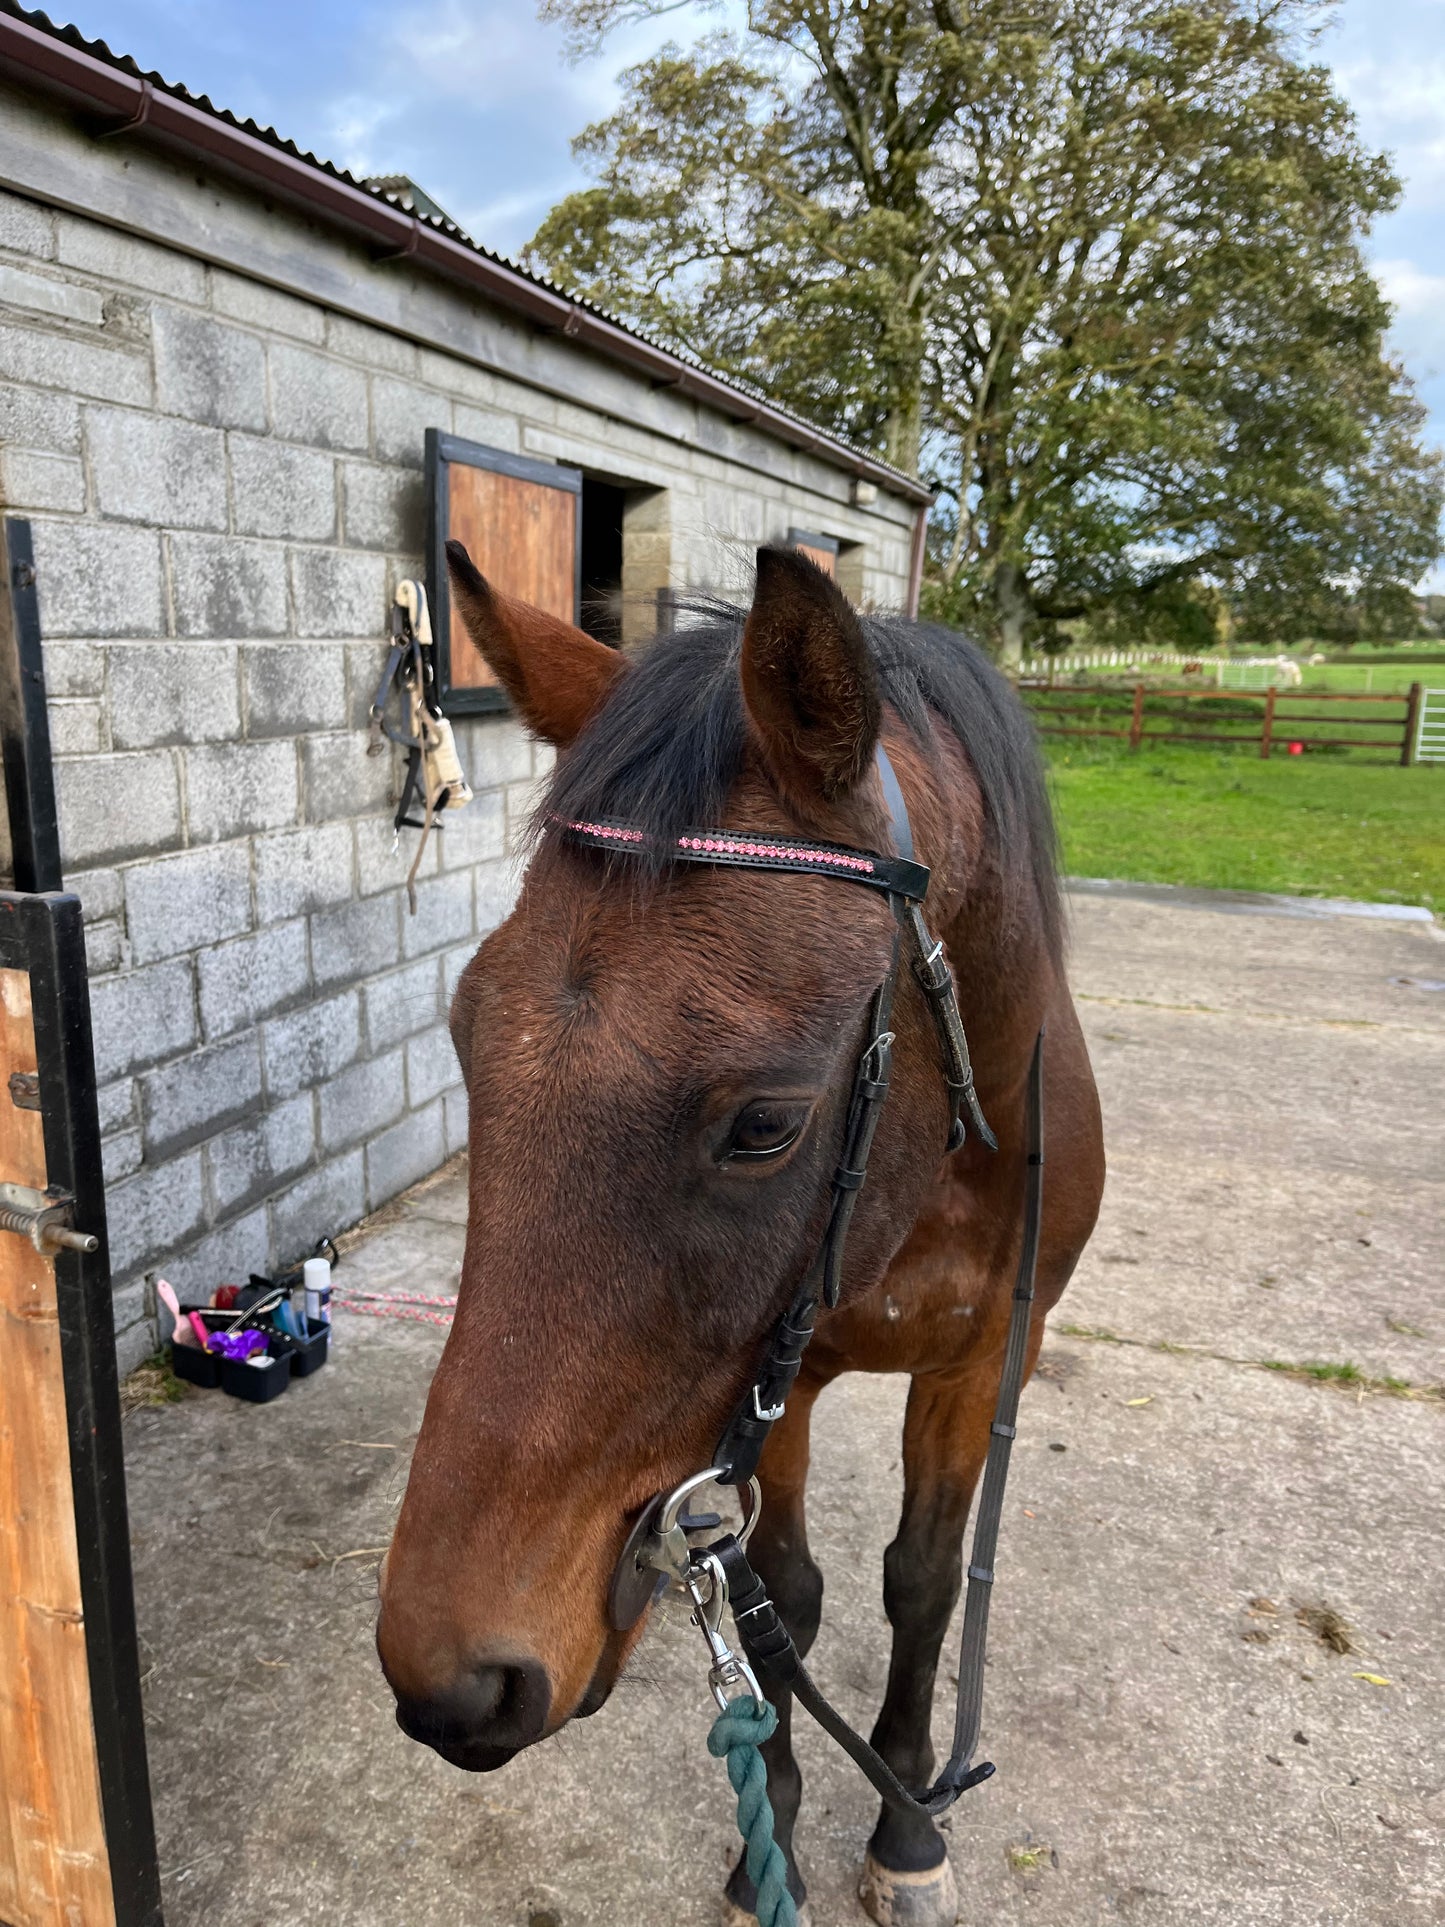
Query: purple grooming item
[238, 1345]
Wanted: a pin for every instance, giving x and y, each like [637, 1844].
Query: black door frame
[42, 933]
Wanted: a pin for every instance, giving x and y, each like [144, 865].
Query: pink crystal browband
[893, 875]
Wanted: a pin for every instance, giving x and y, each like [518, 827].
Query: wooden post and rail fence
[1298, 720]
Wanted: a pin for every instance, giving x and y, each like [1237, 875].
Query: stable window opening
[601, 592]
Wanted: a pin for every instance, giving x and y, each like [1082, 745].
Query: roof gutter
[131, 105]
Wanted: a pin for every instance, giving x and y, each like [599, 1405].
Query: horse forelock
[668, 746]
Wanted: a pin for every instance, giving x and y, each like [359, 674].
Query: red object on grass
[1296, 749]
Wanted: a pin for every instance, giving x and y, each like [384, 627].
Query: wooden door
[521, 522]
[53, 1865]
[822, 549]
[77, 1841]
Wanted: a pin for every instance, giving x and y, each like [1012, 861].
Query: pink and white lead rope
[387, 1304]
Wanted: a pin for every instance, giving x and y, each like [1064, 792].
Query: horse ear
[808, 680]
[556, 675]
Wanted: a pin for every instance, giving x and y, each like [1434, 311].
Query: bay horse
[658, 1059]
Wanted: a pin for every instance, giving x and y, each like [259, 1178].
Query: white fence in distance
[1251, 672]
[1430, 727]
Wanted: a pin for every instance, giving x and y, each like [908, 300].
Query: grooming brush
[183, 1334]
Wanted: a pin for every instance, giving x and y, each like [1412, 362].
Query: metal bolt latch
[44, 1218]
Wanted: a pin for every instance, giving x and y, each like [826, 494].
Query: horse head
[659, 1060]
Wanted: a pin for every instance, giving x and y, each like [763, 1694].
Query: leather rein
[658, 1550]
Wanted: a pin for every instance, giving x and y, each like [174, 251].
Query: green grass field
[1378, 679]
[1217, 819]
[1363, 673]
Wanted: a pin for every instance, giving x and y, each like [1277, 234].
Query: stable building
[233, 380]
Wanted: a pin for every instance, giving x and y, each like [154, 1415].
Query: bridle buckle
[876, 1066]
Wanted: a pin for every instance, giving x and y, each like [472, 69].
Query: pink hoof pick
[183, 1334]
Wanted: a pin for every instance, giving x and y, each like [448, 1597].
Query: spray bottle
[316, 1284]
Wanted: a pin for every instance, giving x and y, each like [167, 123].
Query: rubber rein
[718, 1575]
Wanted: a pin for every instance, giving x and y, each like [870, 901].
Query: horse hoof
[928, 1899]
[733, 1915]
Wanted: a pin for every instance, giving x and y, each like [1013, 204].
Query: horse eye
[765, 1131]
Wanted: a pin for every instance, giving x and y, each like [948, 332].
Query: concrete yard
[1175, 1746]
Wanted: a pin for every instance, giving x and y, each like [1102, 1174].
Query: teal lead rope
[737, 1733]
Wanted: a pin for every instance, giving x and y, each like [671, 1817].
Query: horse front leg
[907, 1880]
[778, 1552]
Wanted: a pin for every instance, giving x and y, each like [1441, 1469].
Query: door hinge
[25, 1090]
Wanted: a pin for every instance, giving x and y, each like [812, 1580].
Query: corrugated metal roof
[822, 440]
[127, 64]
[402, 191]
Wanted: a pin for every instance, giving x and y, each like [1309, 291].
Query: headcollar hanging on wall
[432, 765]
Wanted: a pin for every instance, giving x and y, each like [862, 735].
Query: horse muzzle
[482, 1718]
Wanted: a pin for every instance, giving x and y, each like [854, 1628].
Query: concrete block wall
[225, 486]
[221, 508]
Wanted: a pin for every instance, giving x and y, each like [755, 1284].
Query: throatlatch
[432, 765]
[658, 1551]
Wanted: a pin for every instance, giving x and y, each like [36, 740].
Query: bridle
[658, 1550]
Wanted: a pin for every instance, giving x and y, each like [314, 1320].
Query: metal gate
[77, 1842]
[1430, 727]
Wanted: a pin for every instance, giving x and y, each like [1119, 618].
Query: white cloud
[477, 100]
[1418, 330]
[490, 52]
[1389, 62]
[480, 54]
[352, 124]
[1414, 292]
[1401, 108]
[514, 212]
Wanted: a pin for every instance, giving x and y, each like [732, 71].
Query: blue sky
[474, 99]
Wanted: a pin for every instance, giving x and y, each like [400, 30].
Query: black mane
[667, 746]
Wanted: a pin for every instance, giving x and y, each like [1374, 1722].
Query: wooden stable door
[520, 520]
[77, 1846]
[53, 1864]
[822, 550]
[77, 1840]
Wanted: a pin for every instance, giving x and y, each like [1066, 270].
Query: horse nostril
[490, 1709]
[476, 1700]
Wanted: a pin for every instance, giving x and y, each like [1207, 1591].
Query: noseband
[658, 1550]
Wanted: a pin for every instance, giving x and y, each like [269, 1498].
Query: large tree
[1095, 265]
